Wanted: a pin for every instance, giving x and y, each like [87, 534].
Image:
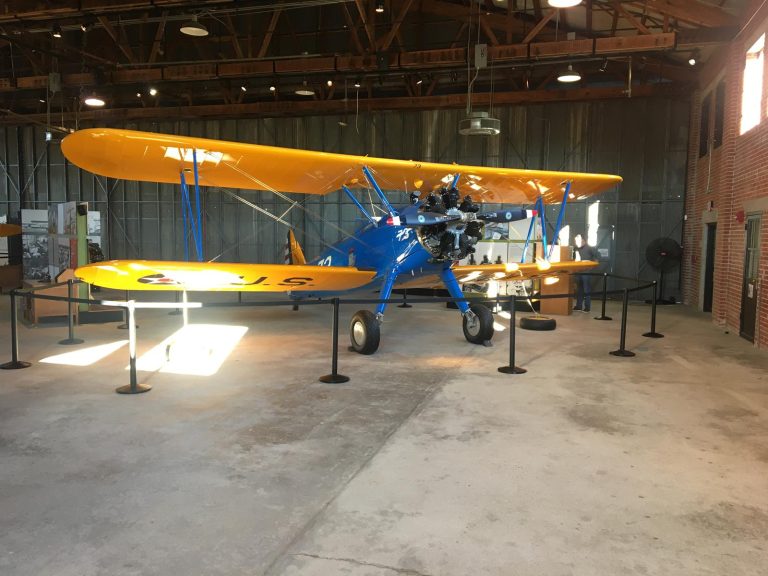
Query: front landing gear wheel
[478, 325]
[364, 332]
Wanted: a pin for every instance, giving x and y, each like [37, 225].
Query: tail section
[293, 252]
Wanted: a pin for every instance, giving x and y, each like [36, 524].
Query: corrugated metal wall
[643, 140]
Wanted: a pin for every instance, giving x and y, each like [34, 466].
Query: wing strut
[195, 221]
[379, 193]
[539, 208]
[359, 205]
[560, 215]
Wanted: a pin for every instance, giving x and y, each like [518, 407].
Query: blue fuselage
[383, 248]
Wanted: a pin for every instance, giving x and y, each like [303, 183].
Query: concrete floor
[428, 462]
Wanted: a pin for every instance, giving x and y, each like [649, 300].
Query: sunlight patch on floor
[193, 350]
[85, 356]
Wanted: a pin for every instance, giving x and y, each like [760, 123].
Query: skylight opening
[752, 86]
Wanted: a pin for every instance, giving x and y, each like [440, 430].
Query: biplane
[416, 245]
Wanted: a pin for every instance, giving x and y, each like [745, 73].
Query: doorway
[750, 286]
[709, 267]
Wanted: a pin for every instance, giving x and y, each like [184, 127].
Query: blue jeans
[583, 289]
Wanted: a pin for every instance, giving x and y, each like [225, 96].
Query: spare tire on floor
[540, 323]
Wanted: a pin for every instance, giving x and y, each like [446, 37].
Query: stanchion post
[134, 387]
[185, 310]
[622, 351]
[334, 377]
[70, 318]
[124, 325]
[512, 369]
[605, 297]
[405, 300]
[653, 333]
[15, 363]
[175, 311]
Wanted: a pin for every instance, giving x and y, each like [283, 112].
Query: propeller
[507, 215]
[422, 219]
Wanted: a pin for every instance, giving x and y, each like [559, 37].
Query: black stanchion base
[405, 305]
[125, 327]
[70, 341]
[138, 389]
[175, 312]
[653, 335]
[295, 307]
[622, 353]
[512, 370]
[334, 379]
[603, 318]
[15, 365]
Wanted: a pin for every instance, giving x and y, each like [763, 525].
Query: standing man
[583, 282]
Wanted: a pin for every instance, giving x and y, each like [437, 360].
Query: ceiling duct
[479, 124]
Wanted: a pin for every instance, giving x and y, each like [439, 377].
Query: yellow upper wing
[216, 276]
[481, 273]
[147, 156]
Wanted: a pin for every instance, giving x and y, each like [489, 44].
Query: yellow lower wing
[216, 276]
[482, 273]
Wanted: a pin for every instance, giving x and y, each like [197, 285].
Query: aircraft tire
[364, 332]
[482, 329]
[540, 323]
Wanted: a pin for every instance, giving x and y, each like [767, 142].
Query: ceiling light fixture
[694, 58]
[93, 99]
[563, 3]
[330, 83]
[419, 79]
[380, 6]
[138, 94]
[243, 88]
[56, 31]
[357, 83]
[304, 90]
[153, 91]
[569, 75]
[272, 88]
[193, 28]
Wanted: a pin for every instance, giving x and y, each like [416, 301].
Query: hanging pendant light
[193, 28]
[568, 75]
[304, 90]
[94, 100]
[563, 3]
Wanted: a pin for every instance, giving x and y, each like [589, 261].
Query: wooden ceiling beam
[539, 26]
[367, 25]
[406, 61]
[158, 38]
[269, 33]
[352, 26]
[233, 33]
[691, 11]
[123, 46]
[337, 106]
[630, 18]
[396, 25]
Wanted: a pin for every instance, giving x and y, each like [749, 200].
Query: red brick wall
[729, 176]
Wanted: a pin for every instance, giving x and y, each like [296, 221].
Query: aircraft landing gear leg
[477, 322]
[365, 327]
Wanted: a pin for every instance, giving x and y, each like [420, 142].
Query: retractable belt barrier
[130, 306]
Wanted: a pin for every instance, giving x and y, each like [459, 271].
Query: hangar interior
[429, 460]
